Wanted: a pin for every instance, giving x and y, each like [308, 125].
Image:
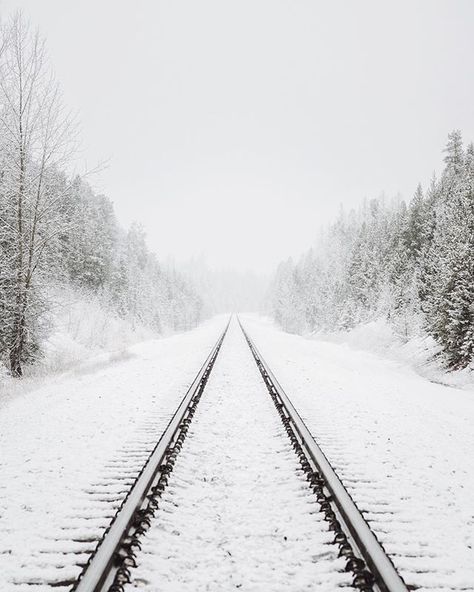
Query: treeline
[410, 264]
[54, 229]
[95, 253]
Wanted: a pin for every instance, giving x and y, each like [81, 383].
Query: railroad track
[110, 567]
[373, 569]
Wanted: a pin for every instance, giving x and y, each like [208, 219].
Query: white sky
[235, 129]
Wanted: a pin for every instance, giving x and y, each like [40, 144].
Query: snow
[71, 447]
[238, 511]
[401, 444]
[419, 352]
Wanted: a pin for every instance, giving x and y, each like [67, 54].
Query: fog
[233, 130]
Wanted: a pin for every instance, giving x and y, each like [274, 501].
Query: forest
[55, 231]
[411, 264]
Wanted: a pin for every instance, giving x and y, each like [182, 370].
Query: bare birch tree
[37, 139]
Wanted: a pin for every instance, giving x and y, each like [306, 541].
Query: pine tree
[454, 154]
[412, 266]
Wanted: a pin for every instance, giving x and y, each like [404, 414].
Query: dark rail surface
[113, 551]
[356, 540]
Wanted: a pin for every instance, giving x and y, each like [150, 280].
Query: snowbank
[421, 354]
[84, 331]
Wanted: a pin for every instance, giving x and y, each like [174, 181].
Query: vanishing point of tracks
[109, 568]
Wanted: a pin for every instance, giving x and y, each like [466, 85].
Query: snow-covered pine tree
[455, 327]
[441, 265]
[412, 266]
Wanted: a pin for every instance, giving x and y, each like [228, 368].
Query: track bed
[238, 512]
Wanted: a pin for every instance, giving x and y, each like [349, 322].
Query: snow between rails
[238, 511]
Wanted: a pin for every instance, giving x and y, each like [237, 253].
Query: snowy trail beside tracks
[71, 448]
[238, 512]
[402, 446]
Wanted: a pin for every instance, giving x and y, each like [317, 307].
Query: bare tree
[37, 139]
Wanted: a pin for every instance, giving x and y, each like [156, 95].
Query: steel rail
[99, 573]
[357, 530]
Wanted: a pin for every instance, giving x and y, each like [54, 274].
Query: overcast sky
[234, 129]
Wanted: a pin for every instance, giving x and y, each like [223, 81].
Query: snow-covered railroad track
[108, 566]
[365, 557]
[241, 509]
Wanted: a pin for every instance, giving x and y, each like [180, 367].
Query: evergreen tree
[413, 266]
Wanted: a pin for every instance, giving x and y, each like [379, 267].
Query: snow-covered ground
[420, 352]
[70, 447]
[402, 445]
[238, 512]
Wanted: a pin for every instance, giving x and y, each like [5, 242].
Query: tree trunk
[19, 330]
[19, 322]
